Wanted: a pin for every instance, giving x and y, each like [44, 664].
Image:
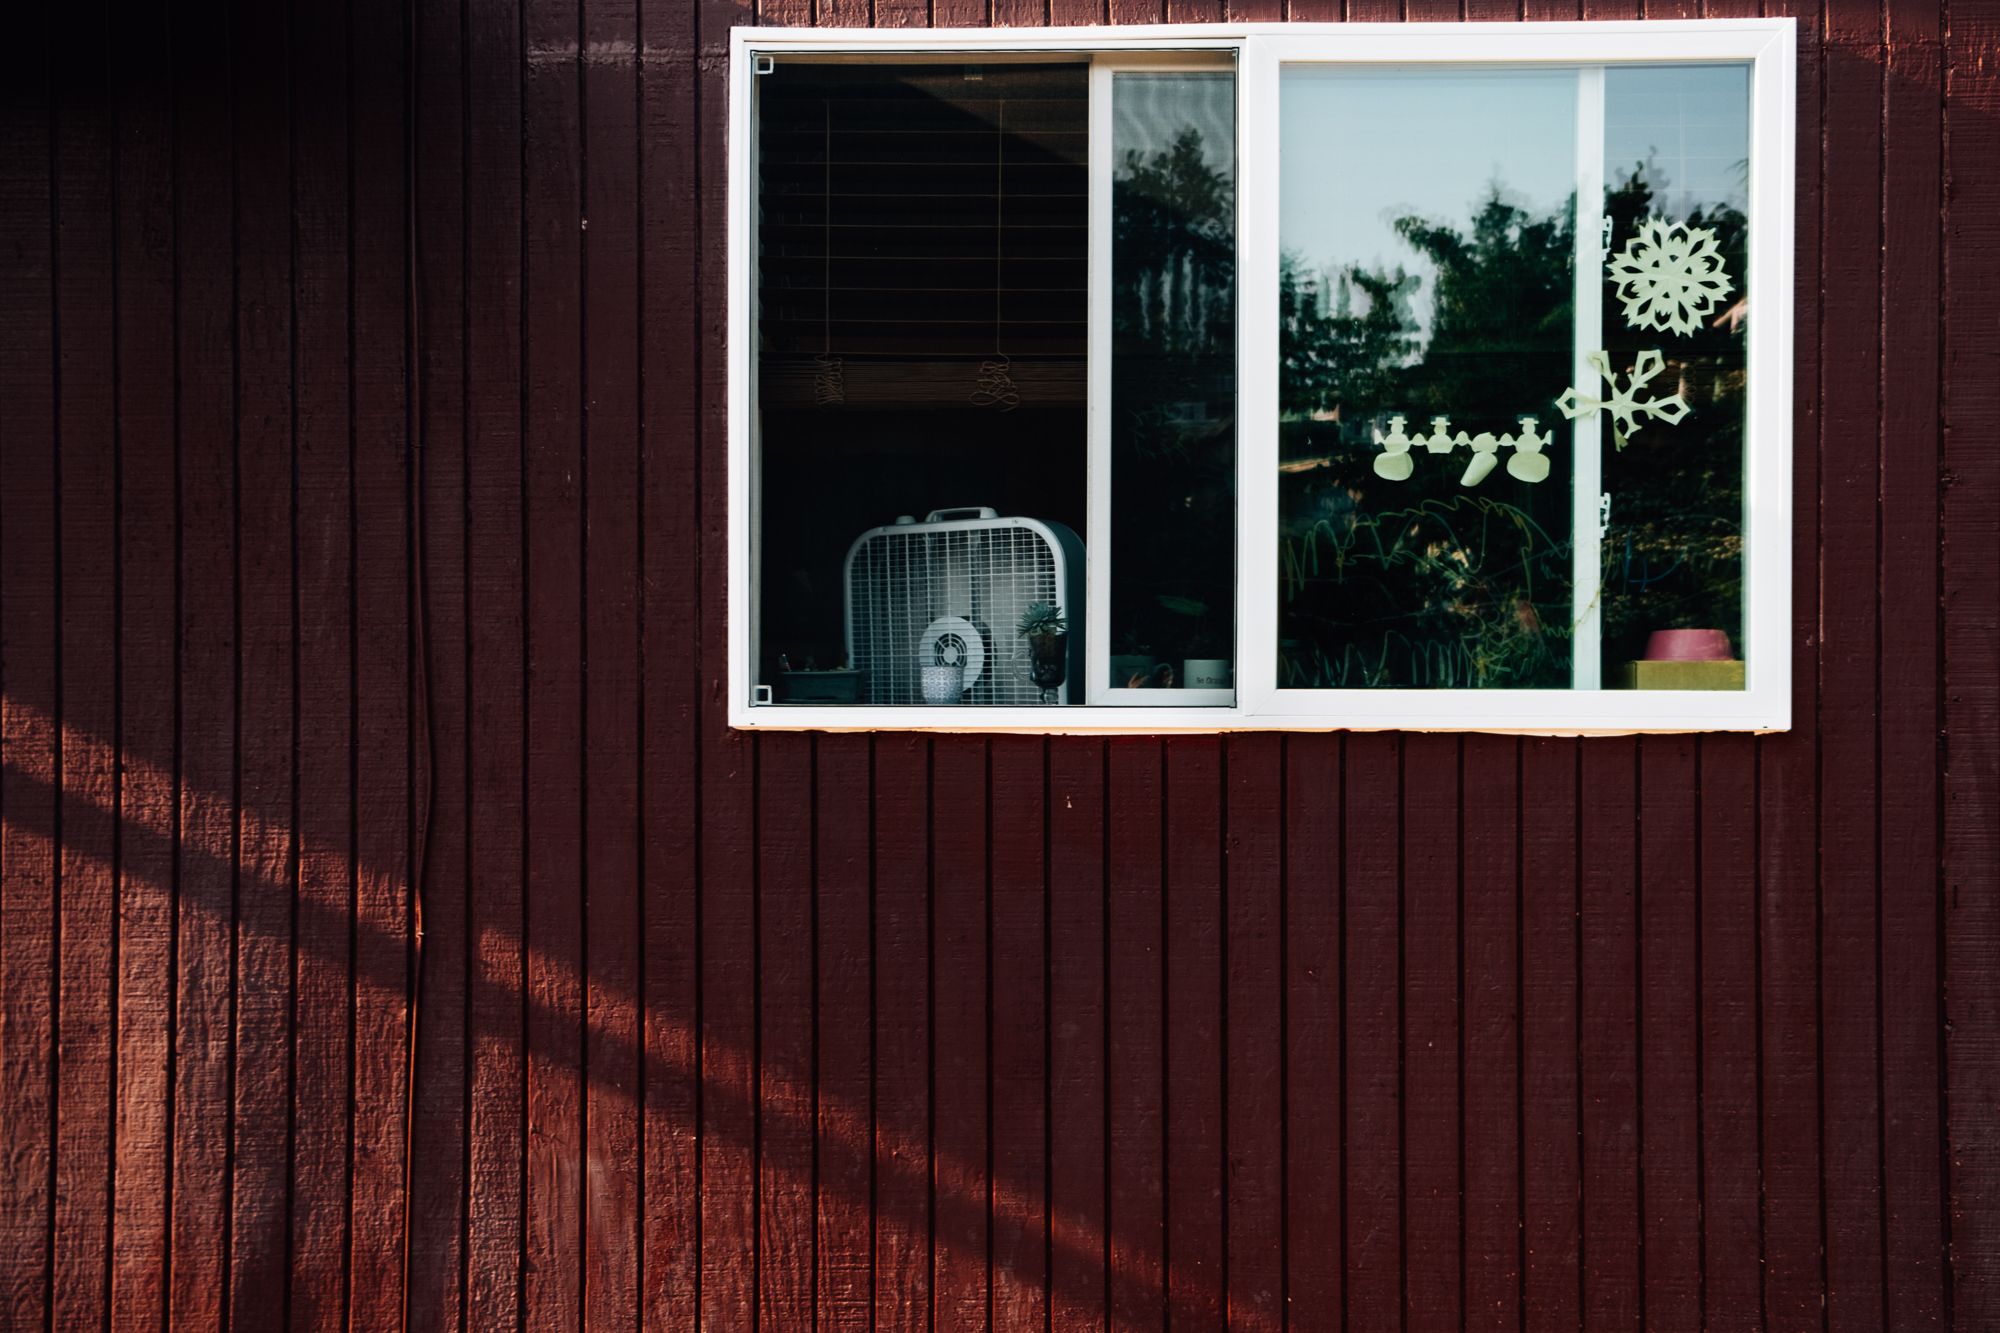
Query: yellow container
[1678, 676]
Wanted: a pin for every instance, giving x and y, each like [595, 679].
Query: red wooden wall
[361, 510]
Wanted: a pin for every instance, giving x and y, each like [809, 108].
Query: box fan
[951, 590]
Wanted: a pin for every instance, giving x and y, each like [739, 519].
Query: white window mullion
[1097, 541]
[1586, 655]
[1257, 349]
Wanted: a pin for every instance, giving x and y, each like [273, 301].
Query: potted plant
[1047, 632]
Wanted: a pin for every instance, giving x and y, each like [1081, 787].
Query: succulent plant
[1042, 618]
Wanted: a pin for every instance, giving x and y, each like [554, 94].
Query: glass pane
[1427, 226]
[923, 266]
[1676, 155]
[1173, 381]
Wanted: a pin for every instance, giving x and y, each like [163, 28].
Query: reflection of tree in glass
[1173, 315]
[1673, 558]
[1331, 355]
[1419, 583]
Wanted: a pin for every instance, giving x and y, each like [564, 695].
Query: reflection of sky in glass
[1360, 148]
[1689, 123]
[1150, 111]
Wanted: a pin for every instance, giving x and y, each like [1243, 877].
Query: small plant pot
[1127, 667]
[1205, 673]
[943, 684]
[1688, 645]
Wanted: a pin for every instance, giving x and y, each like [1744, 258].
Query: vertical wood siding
[390, 928]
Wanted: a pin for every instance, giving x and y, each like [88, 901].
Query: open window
[1199, 378]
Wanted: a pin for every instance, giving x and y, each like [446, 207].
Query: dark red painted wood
[206, 750]
[610, 251]
[1850, 483]
[1194, 994]
[1017, 926]
[264, 760]
[145, 354]
[785, 1183]
[903, 977]
[87, 510]
[1433, 1133]
[1788, 865]
[961, 1175]
[845, 1032]
[391, 780]
[1253, 1045]
[439, 1124]
[1081, 1026]
[1136, 1079]
[1372, 1043]
[29, 708]
[1971, 767]
[1150, 1031]
[1732, 1273]
[1314, 1000]
[1490, 1034]
[495, 685]
[1551, 912]
[1911, 294]
[1669, 1028]
[672, 723]
[1608, 1036]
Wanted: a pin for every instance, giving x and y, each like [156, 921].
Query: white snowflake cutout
[1624, 404]
[1669, 276]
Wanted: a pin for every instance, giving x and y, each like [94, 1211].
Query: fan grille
[901, 582]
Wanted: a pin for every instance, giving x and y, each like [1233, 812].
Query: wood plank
[495, 683]
[1551, 910]
[1971, 515]
[785, 1134]
[961, 1178]
[903, 978]
[610, 253]
[205, 824]
[1434, 790]
[1195, 996]
[265, 759]
[1490, 940]
[1135, 1049]
[439, 1147]
[1080, 1031]
[671, 594]
[1911, 715]
[1670, 1030]
[1018, 924]
[1787, 790]
[1851, 470]
[391, 769]
[1372, 1047]
[29, 709]
[1608, 1055]
[146, 677]
[322, 983]
[86, 509]
[1254, 1039]
[1315, 1032]
[843, 795]
[727, 1283]
[1732, 1273]
[552, 371]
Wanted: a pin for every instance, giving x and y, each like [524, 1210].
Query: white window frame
[1764, 705]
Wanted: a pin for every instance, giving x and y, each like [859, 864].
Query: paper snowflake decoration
[1624, 404]
[1669, 276]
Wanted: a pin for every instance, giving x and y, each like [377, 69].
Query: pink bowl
[1688, 645]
